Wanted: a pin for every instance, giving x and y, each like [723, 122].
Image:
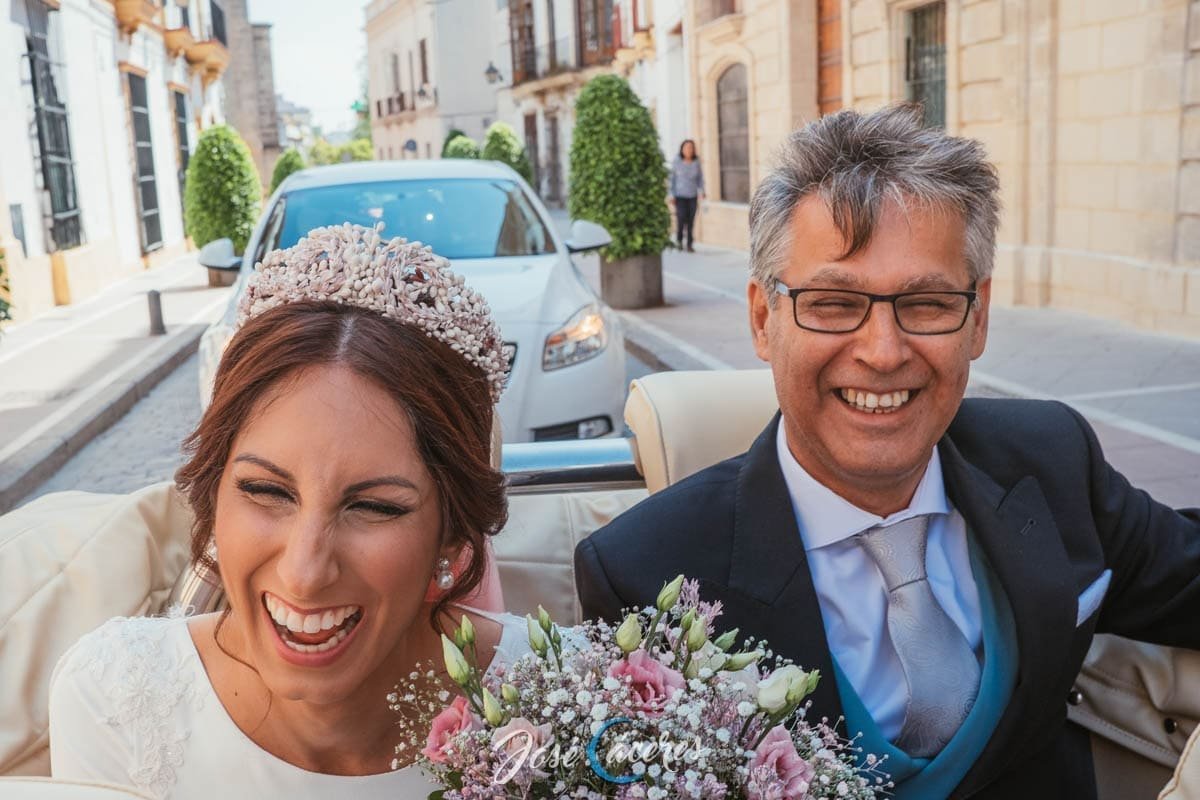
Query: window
[733, 134]
[395, 73]
[595, 31]
[147, 188]
[925, 62]
[218, 24]
[424, 64]
[458, 218]
[181, 135]
[184, 19]
[53, 135]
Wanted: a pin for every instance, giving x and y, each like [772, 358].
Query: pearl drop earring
[445, 578]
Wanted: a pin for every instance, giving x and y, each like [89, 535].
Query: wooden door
[829, 55]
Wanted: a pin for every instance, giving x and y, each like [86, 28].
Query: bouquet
[657, 708]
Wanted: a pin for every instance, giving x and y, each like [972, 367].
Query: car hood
[541, 290]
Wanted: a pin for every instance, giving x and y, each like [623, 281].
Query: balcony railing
[532, 63]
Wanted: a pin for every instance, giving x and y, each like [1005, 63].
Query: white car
[568, 367]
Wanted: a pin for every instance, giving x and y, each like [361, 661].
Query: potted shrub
[619, 180]
[451, 136]
[222, 195]
[291, 161]
[501, 144]
[461, 146]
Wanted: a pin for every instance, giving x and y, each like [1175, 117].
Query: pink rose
[453, 720]
[652, 682]
[777, 753]
[520, 742]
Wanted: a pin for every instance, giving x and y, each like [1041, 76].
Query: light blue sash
[934, 779]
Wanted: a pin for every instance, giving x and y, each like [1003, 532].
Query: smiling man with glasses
[943, 562]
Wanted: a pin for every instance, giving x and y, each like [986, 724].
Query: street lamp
[492, 74]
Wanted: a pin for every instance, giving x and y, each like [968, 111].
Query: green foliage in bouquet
[618, 175]
[461, 147]
[501, 144]
[291, 161]
[451, 136]
[223, 194]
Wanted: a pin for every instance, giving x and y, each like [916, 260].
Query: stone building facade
[1089, 108]
[100, 108]
[250, 88]
[426, 74]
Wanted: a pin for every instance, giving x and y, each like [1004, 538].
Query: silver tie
[941, 670]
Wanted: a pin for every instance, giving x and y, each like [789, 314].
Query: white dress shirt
[851, 590]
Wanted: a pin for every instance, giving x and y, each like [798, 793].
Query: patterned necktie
[941, 670]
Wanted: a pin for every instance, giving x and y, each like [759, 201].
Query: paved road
[144, 446]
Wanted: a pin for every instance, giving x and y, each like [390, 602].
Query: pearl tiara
[401, 280]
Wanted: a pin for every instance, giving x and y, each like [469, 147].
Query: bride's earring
[445, 578]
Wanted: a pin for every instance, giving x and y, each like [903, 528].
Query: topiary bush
[356, 150]
[618, 175]
[461, 147]
[5, 290]
[223, 194]
[291, 161]
[451, 136]
[501, 144]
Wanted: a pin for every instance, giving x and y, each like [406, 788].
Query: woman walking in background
[687, 188]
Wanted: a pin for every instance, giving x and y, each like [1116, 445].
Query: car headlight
[583, 336]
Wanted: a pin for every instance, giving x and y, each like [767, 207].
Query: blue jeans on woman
[685, 213]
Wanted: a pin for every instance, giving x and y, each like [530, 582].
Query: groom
[944, 563]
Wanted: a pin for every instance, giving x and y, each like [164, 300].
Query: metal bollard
[156, 319]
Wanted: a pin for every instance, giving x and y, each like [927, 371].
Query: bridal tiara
[401, 280]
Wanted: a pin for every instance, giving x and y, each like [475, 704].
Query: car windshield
[459, 218]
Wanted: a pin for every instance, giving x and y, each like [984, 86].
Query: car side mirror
[586, 236]
[218, 254]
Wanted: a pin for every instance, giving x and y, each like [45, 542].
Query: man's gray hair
[856, 162]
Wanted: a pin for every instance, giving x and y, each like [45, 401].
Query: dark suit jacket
[1049, 512]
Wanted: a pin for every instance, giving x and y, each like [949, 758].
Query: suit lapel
[769, 571]
[1016, 531]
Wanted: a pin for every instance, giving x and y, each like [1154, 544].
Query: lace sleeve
[82, 746]
[122, 701]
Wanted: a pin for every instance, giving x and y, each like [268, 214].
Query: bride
[341, 478]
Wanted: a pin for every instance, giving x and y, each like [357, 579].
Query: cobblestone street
[143, 447]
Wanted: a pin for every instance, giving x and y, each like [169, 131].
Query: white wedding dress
[131, 703]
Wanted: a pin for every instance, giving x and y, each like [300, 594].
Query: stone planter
[634, 282]
[222, 277]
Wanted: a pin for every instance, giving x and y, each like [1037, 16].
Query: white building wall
[88, 50]
[462, 53]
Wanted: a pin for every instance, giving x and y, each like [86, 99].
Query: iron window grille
[184, 19]
[63, 219]
[925, 62]
[218, 25]
[733, 134]
[147, 187]
[182, 135]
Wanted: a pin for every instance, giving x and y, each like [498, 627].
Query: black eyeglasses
[845, 311]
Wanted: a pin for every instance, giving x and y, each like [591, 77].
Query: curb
[653, 351]
[34, 464]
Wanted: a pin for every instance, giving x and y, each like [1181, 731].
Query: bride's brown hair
[447, 400]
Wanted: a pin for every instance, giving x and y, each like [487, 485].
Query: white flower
[600, 711]
[746, 709]
[723, 735]
[558, 697]
[612, 684]
[583, 697]
[656, 794]
[567, 717]
[773, 690]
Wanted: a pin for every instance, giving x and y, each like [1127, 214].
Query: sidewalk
[1141, 391]
[69, 374]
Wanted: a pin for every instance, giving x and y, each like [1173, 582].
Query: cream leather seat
[70, 561]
